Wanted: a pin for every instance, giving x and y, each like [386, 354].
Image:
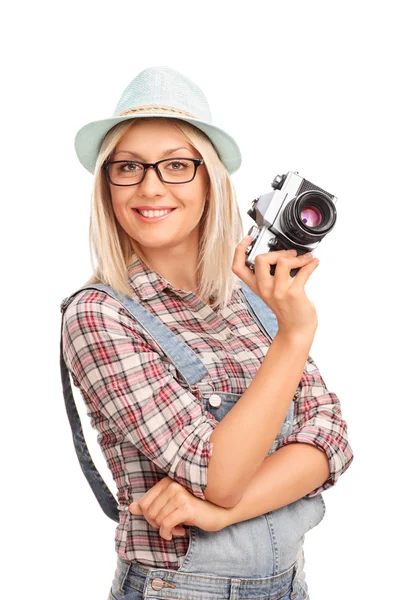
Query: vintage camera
[296, 215]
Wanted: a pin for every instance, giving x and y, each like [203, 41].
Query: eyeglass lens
[172, 171]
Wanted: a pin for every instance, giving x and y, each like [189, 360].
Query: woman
[174, 337]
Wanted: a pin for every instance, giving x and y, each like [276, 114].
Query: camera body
[296, 215]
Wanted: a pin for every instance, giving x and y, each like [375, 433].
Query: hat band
[155, 108]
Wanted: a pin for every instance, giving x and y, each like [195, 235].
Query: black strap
[106, 499]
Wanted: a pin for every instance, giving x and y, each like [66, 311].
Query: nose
[151, 182]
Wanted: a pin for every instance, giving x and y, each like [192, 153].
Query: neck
[177, 265]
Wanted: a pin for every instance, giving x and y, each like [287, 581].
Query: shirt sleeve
[126, 379]
[318, 421]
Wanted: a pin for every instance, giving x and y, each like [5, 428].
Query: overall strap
[184, 358]
[268, 323]
[260, 311]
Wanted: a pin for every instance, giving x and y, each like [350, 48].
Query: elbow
[225, 501]
[230, 502]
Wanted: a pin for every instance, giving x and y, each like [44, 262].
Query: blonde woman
[215, 422]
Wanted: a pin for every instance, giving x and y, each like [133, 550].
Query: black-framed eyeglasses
[169, 170]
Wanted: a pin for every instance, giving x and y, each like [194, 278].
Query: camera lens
[308, 217]
[311, 216]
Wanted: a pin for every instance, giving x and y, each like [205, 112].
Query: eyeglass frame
[197, 162]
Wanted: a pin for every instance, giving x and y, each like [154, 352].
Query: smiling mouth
[152, 219]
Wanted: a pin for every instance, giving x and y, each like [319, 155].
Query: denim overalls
[261, 558]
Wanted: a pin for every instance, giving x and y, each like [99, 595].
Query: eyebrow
[169, 151]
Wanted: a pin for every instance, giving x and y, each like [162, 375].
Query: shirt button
[229, 335]
[157, 583]
[215, 400]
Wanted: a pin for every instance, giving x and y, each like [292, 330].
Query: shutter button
[215, 400]
[157, 583]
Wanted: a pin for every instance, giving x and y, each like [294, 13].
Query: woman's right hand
[285, 295]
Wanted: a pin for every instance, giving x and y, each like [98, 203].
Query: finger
[240, 252]
[283, 267]
[176, 532]
[151, 494]
[301, 277]
[168, 508]
[239, 256]
[262, 265]
[135, 509]
[166, 501]
[240, 268]
[179, 530]
[155, 495]
[180, 515]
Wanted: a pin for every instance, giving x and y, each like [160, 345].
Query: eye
[178, 165]
[129, 167]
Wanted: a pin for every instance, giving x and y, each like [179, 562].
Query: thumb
[239, 255]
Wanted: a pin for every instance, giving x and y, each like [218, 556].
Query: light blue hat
[159, 92]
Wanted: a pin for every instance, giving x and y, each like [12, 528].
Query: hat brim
[89, 138]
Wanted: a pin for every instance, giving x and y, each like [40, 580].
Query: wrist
[226, 517]
[299, 337]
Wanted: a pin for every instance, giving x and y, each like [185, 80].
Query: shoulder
[89, 300]
[93, 309]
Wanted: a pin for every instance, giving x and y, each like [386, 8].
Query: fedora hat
[159, 92]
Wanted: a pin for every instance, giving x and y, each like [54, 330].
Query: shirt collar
[148, 284]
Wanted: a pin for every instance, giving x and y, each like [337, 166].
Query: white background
[306, 86]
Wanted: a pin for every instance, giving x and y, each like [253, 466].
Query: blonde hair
[221, 227]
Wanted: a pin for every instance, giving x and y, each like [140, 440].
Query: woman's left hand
[168, 505]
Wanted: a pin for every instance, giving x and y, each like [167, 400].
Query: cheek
[192, 200]
[120, 207]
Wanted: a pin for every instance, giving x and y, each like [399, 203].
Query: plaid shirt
[149, 423]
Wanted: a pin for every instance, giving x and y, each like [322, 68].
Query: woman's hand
[168, 505]
[283, 293]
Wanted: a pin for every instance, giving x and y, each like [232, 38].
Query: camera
[296, 215]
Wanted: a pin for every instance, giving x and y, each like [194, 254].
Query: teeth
[154, 213]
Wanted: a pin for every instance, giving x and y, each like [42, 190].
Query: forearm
[285, 476]
[261, 410]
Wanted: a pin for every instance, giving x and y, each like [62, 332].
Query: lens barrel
[319, 207]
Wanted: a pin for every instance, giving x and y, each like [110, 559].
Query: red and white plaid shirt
[149, 423]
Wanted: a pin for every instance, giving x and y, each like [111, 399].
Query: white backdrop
[306, 86]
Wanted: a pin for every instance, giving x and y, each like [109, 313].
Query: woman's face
[147, 141]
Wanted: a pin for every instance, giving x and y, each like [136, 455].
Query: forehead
[153, 137]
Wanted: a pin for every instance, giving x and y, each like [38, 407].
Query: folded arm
[308, 461]
[318, 421]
